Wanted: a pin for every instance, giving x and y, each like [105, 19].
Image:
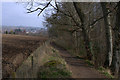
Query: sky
[15, 14]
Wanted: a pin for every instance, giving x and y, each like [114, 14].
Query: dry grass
[16, 48]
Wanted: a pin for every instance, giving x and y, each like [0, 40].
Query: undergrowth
[105, 72]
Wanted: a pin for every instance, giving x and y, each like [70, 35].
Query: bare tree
[94, 24]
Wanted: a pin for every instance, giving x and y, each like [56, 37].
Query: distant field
[16, 48]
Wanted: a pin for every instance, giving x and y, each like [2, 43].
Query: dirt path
[79, 67]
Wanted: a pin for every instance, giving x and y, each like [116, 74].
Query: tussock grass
[53, 66]
[53, 69]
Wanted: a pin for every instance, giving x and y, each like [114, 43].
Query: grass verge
[54, 66]
[106, 72]
[101, 69]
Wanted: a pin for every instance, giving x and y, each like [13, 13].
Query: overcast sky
[14, 14]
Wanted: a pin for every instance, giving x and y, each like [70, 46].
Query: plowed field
[16, 48]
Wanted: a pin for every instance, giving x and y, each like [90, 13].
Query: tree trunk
[84, 32]
[87, 44]
[111, 40]
[116, 56]
[108, 51]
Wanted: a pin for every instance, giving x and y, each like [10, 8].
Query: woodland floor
[78, 67]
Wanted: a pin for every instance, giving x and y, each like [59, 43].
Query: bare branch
[69, 15]
[63, 24]
[94, 22]
[60, 11]
[42, 9]
[33, 10]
